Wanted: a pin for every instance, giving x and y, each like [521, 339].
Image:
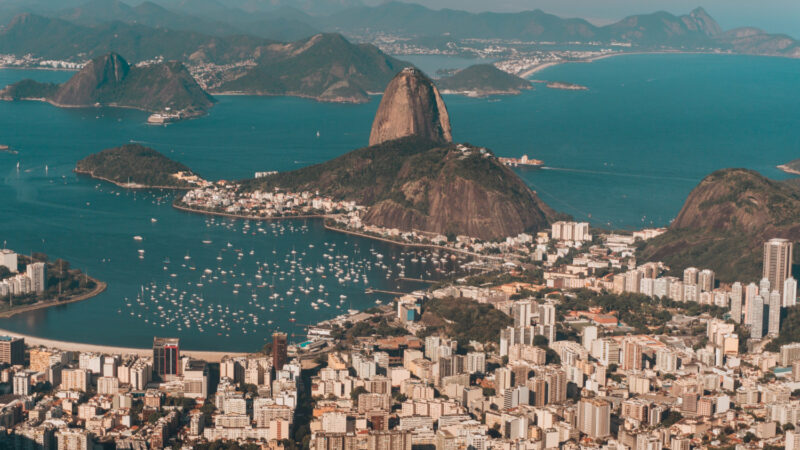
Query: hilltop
[725, 221]
[326, 67]
[110, 81]
[482, 80]
[411, 106]
[137, 166]
[417, 184]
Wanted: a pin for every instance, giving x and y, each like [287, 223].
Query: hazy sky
[775, 16]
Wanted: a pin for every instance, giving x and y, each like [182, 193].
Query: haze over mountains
[287, 20]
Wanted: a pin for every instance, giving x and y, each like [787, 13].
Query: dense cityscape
[553, 366]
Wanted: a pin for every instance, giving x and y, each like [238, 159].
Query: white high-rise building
[789, 292]
[756, 317]
[690, 275]
[736, 302]
[37, 273]
[522, 312]
[777, 262]
[764, 287]
[774, 322]
[22, 383]
[8, 259]
[476, 362]
[594, 417]
[750, 293]
[589, 336]
[705, 280]
[547, 314]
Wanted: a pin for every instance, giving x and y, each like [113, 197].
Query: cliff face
[411, 106]
[98, 79]
[724, 222]
[417, 184]
[109, 80]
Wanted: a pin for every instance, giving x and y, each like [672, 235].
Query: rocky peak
[101, 74]
[411, 106]
[704, 22]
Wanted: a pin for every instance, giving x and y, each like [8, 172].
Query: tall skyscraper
[749, 294]
[756, 317]
[774, 322]
[547, 314]
[736, 302]
[166, 357]
[690, 275]
[37, 272]
[279, 350]
[705, 280]
[589, 336]
[777, 262]
[522, 312]
[789, 292]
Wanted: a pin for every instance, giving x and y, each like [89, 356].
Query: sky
[774, 16]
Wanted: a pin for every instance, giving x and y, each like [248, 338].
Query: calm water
[623, 154]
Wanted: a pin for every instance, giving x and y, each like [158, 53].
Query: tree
[540, 341]
[357, 391]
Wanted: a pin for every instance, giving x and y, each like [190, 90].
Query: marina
[629, 183]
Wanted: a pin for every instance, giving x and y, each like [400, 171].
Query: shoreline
[134, 186]
[540, 67]
[243, 217]
[33, 341]
[787, 169]
[99, 288]
[339, 230]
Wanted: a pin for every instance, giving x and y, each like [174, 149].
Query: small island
[34, 282]
[792, 167]
[166, 89]
[566, 86]
[134, 166]
[483, 80]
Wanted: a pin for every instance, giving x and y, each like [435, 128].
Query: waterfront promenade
[34, 341]
[100, 286]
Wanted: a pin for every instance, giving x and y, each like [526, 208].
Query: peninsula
[792, 167]
[412, 178]
[164, 88]
[135, 166]
[34, 282]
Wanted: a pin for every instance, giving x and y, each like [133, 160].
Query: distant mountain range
[110, 81]
[289, 20]
[325, 67]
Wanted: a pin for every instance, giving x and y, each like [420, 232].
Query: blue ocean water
[623, 154]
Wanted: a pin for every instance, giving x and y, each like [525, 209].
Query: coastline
[99, 288]
[540, 67]
[339, 230]
[33, 341]
[788, 169]
[129, 185]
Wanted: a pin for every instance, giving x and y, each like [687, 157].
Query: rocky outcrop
[725, 221]
[411, 106]
[109, 81]
[417, 184]
[98, 79]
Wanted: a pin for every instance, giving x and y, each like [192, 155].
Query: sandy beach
[33, 341]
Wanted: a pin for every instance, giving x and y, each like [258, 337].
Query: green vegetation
[789, 332]
[29, 89]
[483, 79]
[401, 179]
[61, 282]
[465, 320]
[110, 80]
[134, 163]
[325, 67]
[643, 313]
[725, 221]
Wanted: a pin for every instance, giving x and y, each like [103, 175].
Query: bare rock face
[411, 106]
[100, 76]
